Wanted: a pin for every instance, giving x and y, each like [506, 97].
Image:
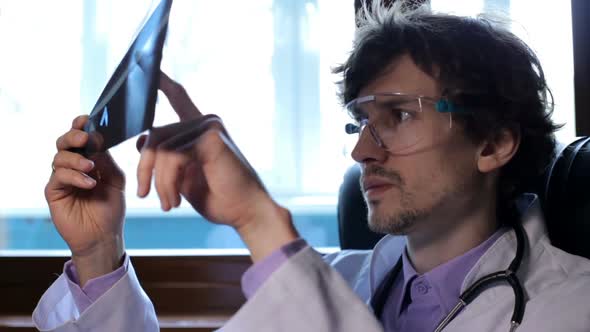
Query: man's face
[428, 186]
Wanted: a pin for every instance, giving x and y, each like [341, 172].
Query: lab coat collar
[384, 256]
[501, 253]
[389, 249]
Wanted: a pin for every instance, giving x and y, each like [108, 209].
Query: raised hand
[197, 159]
[87, 204]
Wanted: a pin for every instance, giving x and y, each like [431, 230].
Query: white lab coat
[307, 294]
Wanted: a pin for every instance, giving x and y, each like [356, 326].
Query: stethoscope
[508, 275]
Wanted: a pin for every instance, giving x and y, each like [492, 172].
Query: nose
[367, 149]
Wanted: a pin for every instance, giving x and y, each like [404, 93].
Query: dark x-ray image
[126, 106]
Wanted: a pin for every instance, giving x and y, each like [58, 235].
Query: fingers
[169, 138]
[165, 154]
[145, 168]
[74, 161]
[75, 138]
[168, 167]
[147, 161]
[169, 172]
[70, 169]
[64, 180]
[63, 177]
[79, 122]
[178, 98]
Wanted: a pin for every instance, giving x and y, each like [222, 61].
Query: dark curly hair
[479, 65]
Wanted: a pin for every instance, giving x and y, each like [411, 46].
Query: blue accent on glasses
[445, 106]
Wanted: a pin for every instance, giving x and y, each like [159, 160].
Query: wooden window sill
[168, 323]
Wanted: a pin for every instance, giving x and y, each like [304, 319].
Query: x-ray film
[127, 104]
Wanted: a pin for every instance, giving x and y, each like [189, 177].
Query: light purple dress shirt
[94, 288]
[418, 302]
[258, 273]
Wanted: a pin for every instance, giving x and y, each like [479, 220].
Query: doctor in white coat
[451, 115]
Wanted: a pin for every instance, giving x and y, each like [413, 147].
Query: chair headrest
[566, 198]
[564, 191]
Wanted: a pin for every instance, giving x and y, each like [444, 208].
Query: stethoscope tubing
[508, 275]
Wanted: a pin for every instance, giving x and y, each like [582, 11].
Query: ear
[498, 150]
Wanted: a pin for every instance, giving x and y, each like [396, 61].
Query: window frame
[581, 34]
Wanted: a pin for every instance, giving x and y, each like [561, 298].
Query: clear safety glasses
[399, 122]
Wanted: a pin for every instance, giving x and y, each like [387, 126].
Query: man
[452, 117]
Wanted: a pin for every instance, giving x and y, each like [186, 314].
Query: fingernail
[139, 190]
[89, 180]
[86, 164]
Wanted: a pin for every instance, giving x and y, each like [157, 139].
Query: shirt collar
[389, 249]
[447, 278]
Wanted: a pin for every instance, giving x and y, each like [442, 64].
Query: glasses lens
[399, 122]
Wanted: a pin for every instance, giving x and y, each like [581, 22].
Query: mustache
[393, 176]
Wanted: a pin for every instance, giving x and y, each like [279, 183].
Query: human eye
[357, 115]
[399, 116]
[405, 115]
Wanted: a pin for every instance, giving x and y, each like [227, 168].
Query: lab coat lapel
[497, 258]
[383, 258]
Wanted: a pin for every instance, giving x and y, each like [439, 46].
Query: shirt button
[422, 288]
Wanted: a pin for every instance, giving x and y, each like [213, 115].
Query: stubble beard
[405, 218]
[400, 223]
[397, 223]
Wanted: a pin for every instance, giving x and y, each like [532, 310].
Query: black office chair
[564, 191]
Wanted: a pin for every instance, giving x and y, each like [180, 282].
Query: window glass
[534, 21]
[264, 66]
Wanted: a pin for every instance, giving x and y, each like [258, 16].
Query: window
[528, 19]
[263, 65]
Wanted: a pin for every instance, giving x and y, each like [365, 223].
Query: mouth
[374, 188]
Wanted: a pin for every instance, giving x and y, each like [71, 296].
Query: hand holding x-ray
[86, 196]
